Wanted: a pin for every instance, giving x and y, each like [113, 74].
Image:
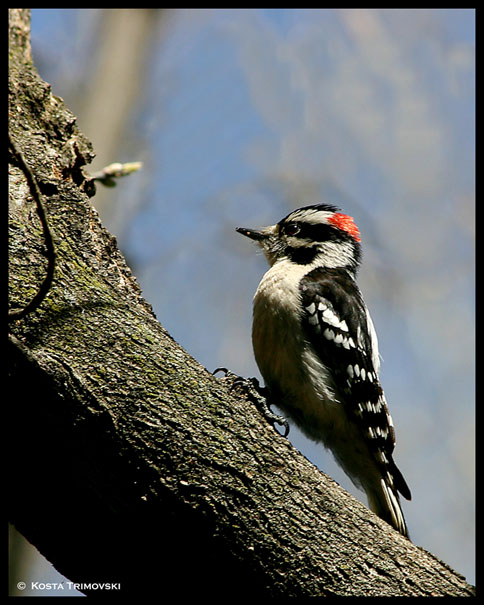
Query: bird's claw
[258, 394]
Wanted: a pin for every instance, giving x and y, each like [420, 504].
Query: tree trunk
[130, 463]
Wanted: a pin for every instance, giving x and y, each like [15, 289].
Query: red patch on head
[346, 223]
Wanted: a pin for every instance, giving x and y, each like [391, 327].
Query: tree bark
[130, 463]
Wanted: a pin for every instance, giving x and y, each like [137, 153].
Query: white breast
[276, 333]
[287, 362]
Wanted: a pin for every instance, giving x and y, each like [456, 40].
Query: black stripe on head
[307, 210]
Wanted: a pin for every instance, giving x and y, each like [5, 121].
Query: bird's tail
[383, 500]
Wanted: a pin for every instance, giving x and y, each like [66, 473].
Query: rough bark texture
[130, 463]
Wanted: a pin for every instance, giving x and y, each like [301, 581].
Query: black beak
[252, 233]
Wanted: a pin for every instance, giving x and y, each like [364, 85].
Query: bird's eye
[292, 229]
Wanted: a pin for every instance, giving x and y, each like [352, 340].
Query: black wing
[336, 324]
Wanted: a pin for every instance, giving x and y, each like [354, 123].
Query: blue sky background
[241, 115]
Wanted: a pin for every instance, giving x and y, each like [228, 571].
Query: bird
[317, 350]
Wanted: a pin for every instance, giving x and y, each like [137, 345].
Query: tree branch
[131, 463]
[35, 193]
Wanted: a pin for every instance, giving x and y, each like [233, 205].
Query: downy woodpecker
[317, 349]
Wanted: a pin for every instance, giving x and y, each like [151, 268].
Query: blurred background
[240, 116]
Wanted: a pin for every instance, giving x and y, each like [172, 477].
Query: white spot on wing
[382, 456]
[330, 317]
[343, 326]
